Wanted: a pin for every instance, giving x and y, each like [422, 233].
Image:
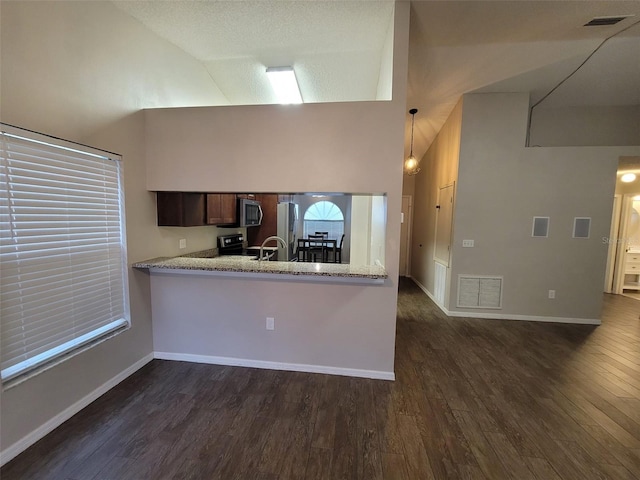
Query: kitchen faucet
[268, 239]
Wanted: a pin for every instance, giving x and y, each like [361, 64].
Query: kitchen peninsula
[212, 309]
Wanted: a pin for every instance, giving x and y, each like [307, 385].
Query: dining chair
[338, 256]
[317, 248]
[302, 252]
[324, 234]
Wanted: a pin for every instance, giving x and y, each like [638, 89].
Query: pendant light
[411, 164]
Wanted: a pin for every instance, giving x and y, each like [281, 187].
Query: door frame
[407, 243]
[609, 283]
[621, 243]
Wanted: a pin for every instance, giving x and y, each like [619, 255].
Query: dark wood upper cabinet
[221, 209]
[269, 226]
[181, 209]
[190, 209]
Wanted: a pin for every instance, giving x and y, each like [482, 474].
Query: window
[63, 276]
[324, 216]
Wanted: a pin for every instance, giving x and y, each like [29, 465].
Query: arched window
[324, 216]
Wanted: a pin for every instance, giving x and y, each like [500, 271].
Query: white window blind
[63, 275]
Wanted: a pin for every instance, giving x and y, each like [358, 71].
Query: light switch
[467, 243]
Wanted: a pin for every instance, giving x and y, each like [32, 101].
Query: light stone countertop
[238, 266]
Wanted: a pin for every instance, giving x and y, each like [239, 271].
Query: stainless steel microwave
[249, 213]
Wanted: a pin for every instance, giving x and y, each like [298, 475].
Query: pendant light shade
[412, 164]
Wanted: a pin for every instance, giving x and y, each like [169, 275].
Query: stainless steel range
[232, 245]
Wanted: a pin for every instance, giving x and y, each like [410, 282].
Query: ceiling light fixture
[411, 164]
[284, 84]
[628, 177]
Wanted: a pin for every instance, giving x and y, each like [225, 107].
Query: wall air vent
[603, 21]
[479, 291]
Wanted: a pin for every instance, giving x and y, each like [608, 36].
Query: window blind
[63, 275]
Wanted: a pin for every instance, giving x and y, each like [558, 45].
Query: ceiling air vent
[602, 21]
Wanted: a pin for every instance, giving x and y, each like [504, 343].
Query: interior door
[405, 236]
[444, 218]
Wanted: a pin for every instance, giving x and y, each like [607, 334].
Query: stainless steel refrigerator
[287, 227]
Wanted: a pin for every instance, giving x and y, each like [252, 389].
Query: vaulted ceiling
[456, 47]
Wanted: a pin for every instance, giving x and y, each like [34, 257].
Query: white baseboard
[292, 367]
[526, 318]
[21, 445]
[430, 295]
[507, 316]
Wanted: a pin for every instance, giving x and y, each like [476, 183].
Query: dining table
[325, 245]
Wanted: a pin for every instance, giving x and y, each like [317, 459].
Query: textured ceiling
[334, 46]
[456, 47]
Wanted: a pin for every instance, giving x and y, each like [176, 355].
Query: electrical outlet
[552, 294]
[467, 243]
[271, 323]
[183, 243]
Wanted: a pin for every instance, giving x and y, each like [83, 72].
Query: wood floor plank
[418, 465]
[394, 467]
[318, 464]
[483, 452]
[509, 456]
[541, 468]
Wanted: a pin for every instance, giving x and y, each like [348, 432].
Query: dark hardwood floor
[473, 399]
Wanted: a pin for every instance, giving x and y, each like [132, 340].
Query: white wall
[321, 147]
[585, 126]
[81, 71]
[385, 78]
[361, 229]
[502, 185]
[378, 216]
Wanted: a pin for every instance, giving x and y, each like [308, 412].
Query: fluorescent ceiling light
[628, 177]
[284, 84]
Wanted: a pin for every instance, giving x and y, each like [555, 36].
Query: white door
[405, 237]
[444, 220]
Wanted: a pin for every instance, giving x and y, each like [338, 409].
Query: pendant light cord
[413, 112]
[413, 117]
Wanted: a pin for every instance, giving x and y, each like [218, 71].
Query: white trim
[407, 245]
[431, 296]
[612, 240]
[502, 316]
[292, 367]
[526, 318]
[25, 442]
